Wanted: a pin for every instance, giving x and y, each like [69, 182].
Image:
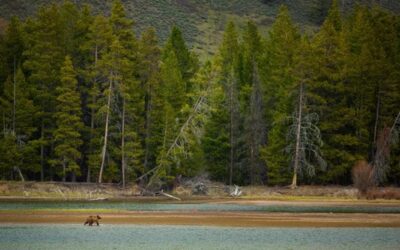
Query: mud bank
[228, 219]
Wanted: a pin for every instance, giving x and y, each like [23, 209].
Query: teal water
[46, 236]
[134, 206]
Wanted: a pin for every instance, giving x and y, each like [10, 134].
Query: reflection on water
[134, 206]
[191, 237]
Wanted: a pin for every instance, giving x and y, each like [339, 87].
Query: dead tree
[386, 137]
[192, 125]
[104, 150]
[305, 141]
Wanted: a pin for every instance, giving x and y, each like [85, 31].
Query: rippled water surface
[191, 237]
[134, 206]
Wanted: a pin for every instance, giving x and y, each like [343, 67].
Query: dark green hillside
[202, 21]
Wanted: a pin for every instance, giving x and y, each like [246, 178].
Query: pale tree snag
[16, 168]
[305, 139]
[298, 131]
[123, 143]
[231, 138]
[169, 196]
[14, 99]
[377, 113]
[103, 153]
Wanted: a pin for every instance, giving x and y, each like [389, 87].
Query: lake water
[135, 206]
[46, 236]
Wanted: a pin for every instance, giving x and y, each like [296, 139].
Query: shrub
[362, 177]
[386, 193]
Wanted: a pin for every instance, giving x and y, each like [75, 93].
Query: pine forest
[85, 98]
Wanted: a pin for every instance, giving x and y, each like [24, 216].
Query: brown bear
[92, 219]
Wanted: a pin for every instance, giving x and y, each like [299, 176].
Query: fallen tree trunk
[196, 110]
[146, 192]
[169, 196]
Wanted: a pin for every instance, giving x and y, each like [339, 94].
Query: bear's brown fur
[92, 219]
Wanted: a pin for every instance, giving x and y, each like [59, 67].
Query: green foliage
[149, 72]
[215, 142]
[68, 121]
[281, 48]
[17, 118]
[105, 105]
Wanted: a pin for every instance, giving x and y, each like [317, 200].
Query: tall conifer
[69, 125]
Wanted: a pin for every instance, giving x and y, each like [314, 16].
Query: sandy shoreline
[231, 219]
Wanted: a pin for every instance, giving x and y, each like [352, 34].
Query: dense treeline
[84, 99]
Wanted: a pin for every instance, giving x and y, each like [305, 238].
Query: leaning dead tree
[104, 149]
[381, 161]
[192, 127]
[305, 141]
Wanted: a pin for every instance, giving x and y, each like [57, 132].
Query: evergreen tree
[69, 125]
[252, 105]
[173, 98]
[127, 86]
[281, 48]
[98, 45]
[69, 16]
[215, 142]
[187, 62]
[227, 78]
[304, 136]
[341, 145]
[17, 117]
[150, 81]
[44, 57]
[13, 47]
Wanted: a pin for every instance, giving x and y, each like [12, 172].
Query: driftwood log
[146, 192]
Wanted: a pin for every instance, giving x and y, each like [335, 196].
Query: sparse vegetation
[363, 177]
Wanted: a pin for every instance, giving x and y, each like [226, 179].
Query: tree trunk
[231, 138]
[92, 114]
[147, 126]
[14, 99]
[123, 143]
[298, 131]
[19, 173]
[42, 152]
[294, 181]
[64, 178]
[252, 164]
[88, 174]
[91, 138]
[103, 154]
[377, 113]
[4, 124]
[73, 177]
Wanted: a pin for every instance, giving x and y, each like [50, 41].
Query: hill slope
[202, 21]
